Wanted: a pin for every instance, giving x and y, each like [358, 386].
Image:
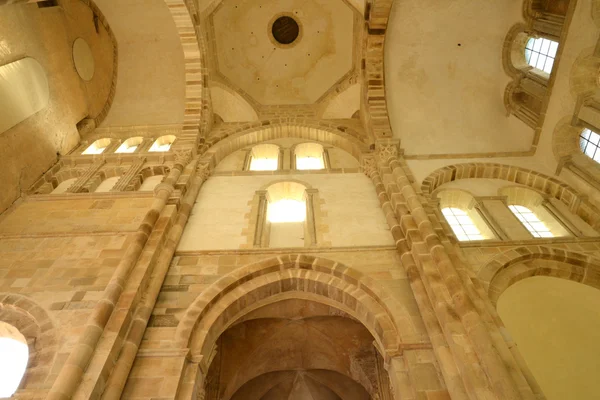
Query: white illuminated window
[287, 210]
[97, 147]
[162, 144]
[540, 53]
[530, 221]
[264, 157]
[589, 142]
[463, 226]
[130, 145]
[309, 156]
[14, 355]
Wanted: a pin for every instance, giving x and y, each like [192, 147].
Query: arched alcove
[309, 285]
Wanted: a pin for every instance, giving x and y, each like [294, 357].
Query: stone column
[561, 218]
[484, 361]
[126, 179]
[141, 316]
[261, 219]
[311, 228]
[71, 374]
[326, 158]
[247, 160]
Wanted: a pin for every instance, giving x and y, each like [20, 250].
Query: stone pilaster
[126, 179]
[83, 179]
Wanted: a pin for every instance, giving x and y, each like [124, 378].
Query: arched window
[150, 183]
[130, 145]
[264, 157]
[163, 143]
[286, 214]
[463, 226]
[64, 186]
[14, 355]
[309, 156]
[540, 53]
[531, 221]
[97, 147]
[589, 142]
[107, 184]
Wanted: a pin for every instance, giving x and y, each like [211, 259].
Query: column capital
[183, 157]
[368, 163]
[387, 148]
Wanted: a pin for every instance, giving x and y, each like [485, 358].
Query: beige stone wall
[220, 218]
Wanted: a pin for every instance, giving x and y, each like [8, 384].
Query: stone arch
[196, 98]
[35, 325]
[221, 147]
[513, 57]
[47, 183]
[514, 265]
[146, 172]
[230, 105]
[267, 281]
[535, 180]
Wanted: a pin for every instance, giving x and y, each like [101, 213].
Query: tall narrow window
[309, 156]
[162, 144]
[463, 226]
[264, 157]
[530, 221]
[97, 147]
[540, 53]
[13, 360]
[130, 145]
[286, 214]
[589, 142]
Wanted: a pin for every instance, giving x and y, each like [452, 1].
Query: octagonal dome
[249, 56]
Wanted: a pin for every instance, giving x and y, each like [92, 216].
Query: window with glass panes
[540, 53]
[463, 226]
[530, 221]
[589, 142]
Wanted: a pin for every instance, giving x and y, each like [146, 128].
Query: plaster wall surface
[448, 80]
[221, 213]
[555, 323]
[151, 81]
[47, 34]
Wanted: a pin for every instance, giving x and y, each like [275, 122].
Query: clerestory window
[589, 142]
[97, 147]
[264, 157]
[531, 221]
[162, 144]
[540, 53]
[309, 156]
[463, 226]
[130, 145]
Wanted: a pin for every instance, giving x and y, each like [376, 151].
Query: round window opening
[285, 30]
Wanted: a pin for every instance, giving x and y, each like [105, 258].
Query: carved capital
[183, 157]
[368, 163]
[387, 149]
[203, 171]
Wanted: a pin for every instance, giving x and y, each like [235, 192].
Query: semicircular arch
[522, 176]
[221, 147]
[292, 276]
[517, 264]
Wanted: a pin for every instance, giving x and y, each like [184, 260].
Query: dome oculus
[285, 30]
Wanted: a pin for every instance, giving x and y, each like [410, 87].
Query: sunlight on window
[540, 53]
[263, 164]
[287, 211]
[13, 362]
[533, 224]
[97, 147]
[304, 163]
[462, 224]
[162, 144]
[130, 145]
[589, 142]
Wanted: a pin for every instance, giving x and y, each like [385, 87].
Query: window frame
[530, 51]
[521, 212]
[464, 236]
